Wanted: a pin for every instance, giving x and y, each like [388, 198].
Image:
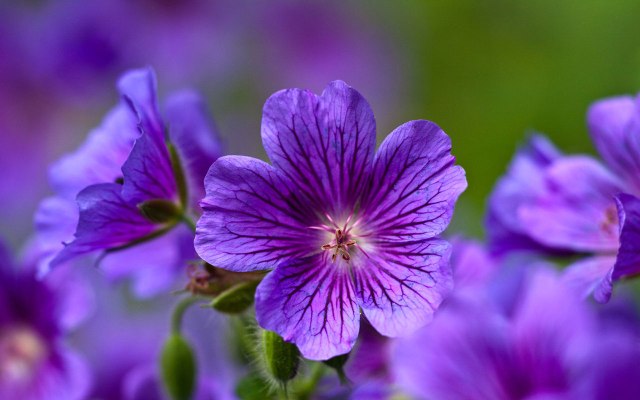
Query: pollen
[340, 246]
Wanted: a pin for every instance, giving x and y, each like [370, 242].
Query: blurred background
[488, 72]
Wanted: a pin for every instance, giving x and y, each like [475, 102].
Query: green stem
[178, 313]
[189, 222]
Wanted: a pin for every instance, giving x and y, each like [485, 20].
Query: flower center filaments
[21, 352]
[340, 246]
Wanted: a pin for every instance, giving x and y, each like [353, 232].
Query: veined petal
[323, 144]
[400, 287]
[106, 222]
[310, 302]
[252, 217]
[576, 210]
[414, 185]
[148, 173]
[138, 88]
[628, 261]
[615, 130]
[193, 132]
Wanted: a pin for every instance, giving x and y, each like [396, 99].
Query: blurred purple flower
[566, 204]
[341, 230]
[124, 166]
[35, 362]
[547, 344]
[123, 340]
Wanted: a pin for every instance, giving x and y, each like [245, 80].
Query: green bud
[281, 358]
[237, 298]
[337, 363]
[178, 367]
[159, 210]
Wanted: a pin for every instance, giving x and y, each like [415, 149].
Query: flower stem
[178, 313]
[189, 222]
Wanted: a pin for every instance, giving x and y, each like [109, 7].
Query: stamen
[340, 245]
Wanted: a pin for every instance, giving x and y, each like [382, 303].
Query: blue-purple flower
[542, 342]
[135, 179]
[35, 362]
[343, 230]
[575, 204]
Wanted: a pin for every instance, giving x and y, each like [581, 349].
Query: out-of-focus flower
[342, 230]
[568, 204]
[543, 343]
[35, 362]
[123, 340]
[136, 177]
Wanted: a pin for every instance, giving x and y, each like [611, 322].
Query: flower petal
[615, 129]
[252, 217]
[192, 131]
[591, 276]
[414, 184]
[156, 266]
[323, 144]
[138, 88]
[99, 158]
[628, 261]
[523, 181]
[148, 173]
[576, 210]
[106, 222]
[312, 304]
[400, 287]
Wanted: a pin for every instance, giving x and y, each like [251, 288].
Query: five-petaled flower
[343, 230]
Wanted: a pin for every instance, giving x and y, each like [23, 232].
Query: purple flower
[35, 363]
[342, 230]
[546, 344]
[575, 204]
[124, 339]
[135, 178]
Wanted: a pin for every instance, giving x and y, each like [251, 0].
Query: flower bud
[178, 367]
[237, 298]
[159, 210]
[281, 358]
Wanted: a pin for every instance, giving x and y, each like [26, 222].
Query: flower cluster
[322, 273]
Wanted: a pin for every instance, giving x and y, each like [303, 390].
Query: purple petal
[591, 275]
[323, 144]
[472, 265]
[523, 181]
[414, 184]
[400, 287]
[615, 129]
[156, 266]
[252, 217]
[138, 88]
[148, 173]
[106, 222]
[195, 136]
[99, 158]
[576, 210]
[55, 222]
[312, 304]
[628, 260]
